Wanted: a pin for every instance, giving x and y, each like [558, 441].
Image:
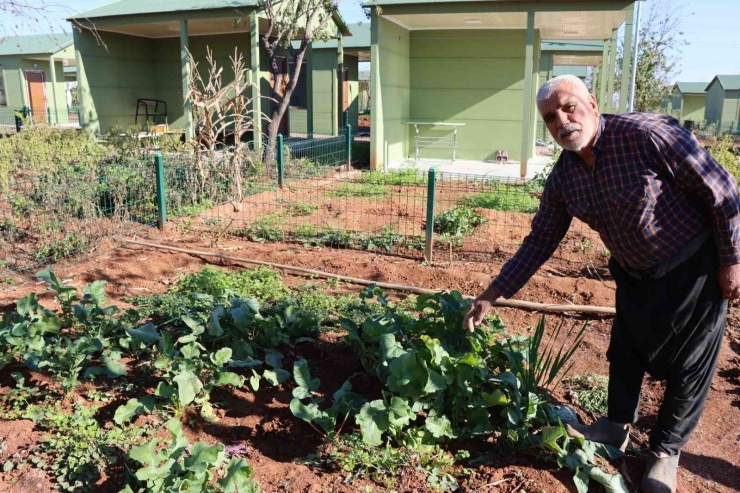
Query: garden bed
[260, 427]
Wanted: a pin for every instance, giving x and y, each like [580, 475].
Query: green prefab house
[456, 80]
[723, 103]
[32, 76]
[319, 74]
[133, 67]
[688, 101]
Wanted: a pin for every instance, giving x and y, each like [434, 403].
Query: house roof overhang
[556, 20]
[162, 19]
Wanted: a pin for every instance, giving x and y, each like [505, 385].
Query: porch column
[54, 88]
[340, 87]
[603, 75]
[309, 90]
[254, 59]
[595, 76]
[612, 72]
[624, 92]
[82, 88]
[376, 111]
[527, 95]
[185, 72]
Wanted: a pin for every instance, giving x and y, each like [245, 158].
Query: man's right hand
[479, 308]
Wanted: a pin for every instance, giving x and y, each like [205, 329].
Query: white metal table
[437, 142]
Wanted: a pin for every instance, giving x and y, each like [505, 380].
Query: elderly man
[670, 216]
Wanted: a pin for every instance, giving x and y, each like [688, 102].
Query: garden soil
[275, 442]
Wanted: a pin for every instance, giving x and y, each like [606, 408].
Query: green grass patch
[358, 190]
[299, 209]
[394, 178]
[504, 198]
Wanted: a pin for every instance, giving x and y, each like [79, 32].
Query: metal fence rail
[304, 192]
[47, 217]
[310, 195]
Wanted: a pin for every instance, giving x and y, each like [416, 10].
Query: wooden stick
[524, 305]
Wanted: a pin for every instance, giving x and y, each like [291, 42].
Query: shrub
[45, 149]
[721, 151]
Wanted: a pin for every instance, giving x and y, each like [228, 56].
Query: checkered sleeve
[548, 228]
[697, 173]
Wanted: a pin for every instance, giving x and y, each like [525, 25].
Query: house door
[282, 63]
[37, 95]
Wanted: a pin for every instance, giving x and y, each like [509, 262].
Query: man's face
[571, 115]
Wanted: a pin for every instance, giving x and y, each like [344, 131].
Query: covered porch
[475, 64]
[134, 70]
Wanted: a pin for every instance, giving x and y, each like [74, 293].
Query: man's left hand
[729, 281]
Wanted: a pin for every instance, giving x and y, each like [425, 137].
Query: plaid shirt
[653, 188]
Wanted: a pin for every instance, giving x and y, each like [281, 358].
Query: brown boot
[661, 474]
[602, 431]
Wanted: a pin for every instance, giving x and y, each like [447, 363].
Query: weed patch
[504, 198]
[358, 190]
[589, 393]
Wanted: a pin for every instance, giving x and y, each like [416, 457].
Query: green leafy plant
[67, 343]
[305, 402]
[179, 466]
[76, 448]
[385, 239]
[456, 223]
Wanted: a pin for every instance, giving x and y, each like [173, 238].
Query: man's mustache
[569, 128]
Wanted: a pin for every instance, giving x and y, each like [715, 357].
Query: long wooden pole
[524, 305]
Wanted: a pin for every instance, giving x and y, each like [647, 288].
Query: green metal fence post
[280, 159]
[161, 198]
[348, 131]
[48, 115]
[345, 117]
[431, 188]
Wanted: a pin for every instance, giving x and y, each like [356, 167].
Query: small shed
[323, 61]
[688, 101]
[32, 75]
[723, 103]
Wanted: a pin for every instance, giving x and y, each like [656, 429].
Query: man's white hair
[549, 87]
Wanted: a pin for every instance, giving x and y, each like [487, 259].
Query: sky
[711, 28]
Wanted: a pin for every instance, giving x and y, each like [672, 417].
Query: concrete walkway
[482, 169]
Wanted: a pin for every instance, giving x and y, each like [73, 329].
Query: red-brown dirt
[274, 439]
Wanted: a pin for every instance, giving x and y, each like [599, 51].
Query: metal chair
[154, 105]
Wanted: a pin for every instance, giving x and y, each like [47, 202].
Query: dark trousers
[670, 327]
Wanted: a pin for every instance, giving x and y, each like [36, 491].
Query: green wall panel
[395, 89]
[324, 90]
[467, 73]
[457, 44]
[715, 98]
[134, 68]
[693, 108]
[474, 77]
[110, 81]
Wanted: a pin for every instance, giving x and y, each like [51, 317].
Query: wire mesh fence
[48, 217]
[10, 117]
[305, 192]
